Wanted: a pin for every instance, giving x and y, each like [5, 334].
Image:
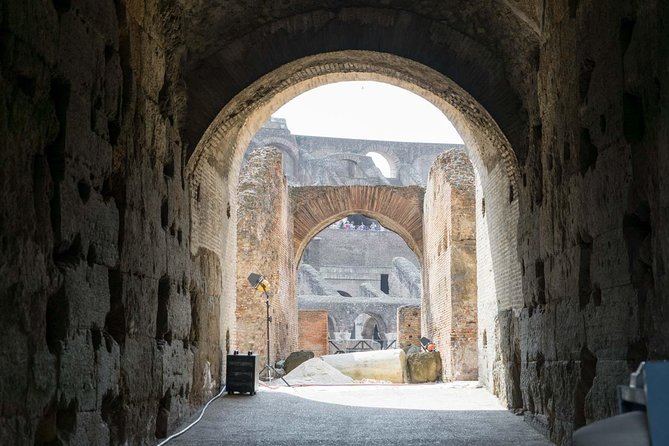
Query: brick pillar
[313, 331]
[408, 326]
[264, 246]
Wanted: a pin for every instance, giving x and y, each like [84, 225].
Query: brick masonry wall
[449, 299]
[408, 326]
[313, 331]
[264, 247]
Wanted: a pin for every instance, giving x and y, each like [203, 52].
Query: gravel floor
[453, 414]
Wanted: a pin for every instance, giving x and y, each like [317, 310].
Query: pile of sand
[316, 371]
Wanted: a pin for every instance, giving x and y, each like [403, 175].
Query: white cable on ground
[182, 431]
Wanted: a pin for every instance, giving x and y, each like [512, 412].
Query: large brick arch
[399, 209]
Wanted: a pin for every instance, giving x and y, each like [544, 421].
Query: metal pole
[269, 371]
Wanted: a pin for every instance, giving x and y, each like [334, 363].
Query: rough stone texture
[321, 161]
[404, 280]
[449, 303]
[408, 326]
[263, 247]
[294, 359]
[313, 331]
[311, 282]
[424, 367]
[123, 126]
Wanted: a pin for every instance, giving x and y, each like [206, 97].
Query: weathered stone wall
[313, 331]
[404, 279]
[100, 340]
[449, 302]
[594, 211]
[408, 326]
[264, 247]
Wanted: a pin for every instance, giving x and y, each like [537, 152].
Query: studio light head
[258, 282]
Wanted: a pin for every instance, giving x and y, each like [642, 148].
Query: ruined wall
[313, 331]
[404, 280]
[593, 234]
[449, 301]
[98, 341]
[264, 247]
[408, 326]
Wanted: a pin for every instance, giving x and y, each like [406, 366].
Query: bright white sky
[367, 110]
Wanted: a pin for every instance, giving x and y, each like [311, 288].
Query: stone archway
[400, 209]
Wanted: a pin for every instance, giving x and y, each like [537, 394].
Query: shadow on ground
[279, 418]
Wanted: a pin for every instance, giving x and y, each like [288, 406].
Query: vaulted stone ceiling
[488, 48]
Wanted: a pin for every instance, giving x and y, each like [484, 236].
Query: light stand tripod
[260, 283]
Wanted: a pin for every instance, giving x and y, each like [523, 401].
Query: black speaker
[242, 374]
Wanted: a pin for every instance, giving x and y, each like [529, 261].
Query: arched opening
[382, 164]
[487, 148]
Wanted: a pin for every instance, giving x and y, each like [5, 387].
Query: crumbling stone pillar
[408, 326]
[449, 300]
[264, 246]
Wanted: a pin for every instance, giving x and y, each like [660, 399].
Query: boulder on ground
[295, 359]
[424, 367]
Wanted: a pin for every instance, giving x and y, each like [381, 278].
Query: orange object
[430, 347]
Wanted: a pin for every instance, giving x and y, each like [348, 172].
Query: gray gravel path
[448, 414]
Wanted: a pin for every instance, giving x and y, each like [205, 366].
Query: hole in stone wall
[227, 340]
[566, 151]
[537, 136]
[57, 320]
[162, 418]
[84, 191]
[162, 316]
[584, 285]
[66, 419]
[179, 236]
[115, 319]
[510, 193]
[602, 123]
[588, 152]
[96, 338]
[483, 207]
[626, 31]
[114, 130]
[596, 294]
[541, 281]
[633, 118]
[46, 433]
[68, 254]
[92, 256]
[485, 339]
[112, 413]
[26, 85]
[539, 364]
[195, 317]
[109, 52]
[584, 77]
[168, 168]
[573, 7]
[61, 6]
[55, 151]
[40, 191]
[343, 293]
[164, 214]
[588, 370]
[227, 210]
[384, 283]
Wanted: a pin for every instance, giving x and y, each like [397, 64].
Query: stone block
[295, 359]
[423, 367]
